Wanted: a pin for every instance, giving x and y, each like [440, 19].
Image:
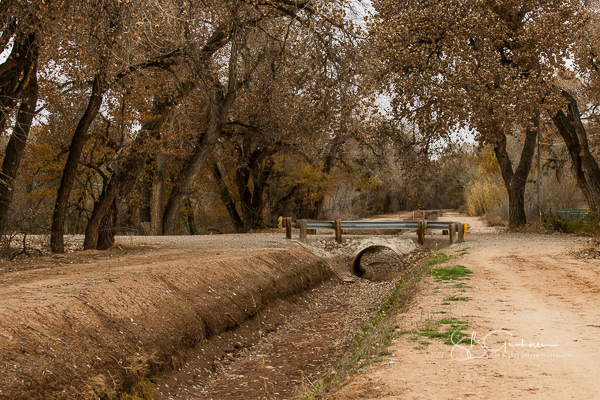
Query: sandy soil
[533, 309]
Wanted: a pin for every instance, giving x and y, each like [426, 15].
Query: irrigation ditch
[314, 340]
[229, 317]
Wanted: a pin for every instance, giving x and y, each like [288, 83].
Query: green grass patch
[422, 344]
[463, 251]
[437, 258]
[452, 321]
[455, 298]
[452, 335]
[461, 286]
[454, 272]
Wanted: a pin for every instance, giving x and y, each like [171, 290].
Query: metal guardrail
[397, 225]
[452, 228]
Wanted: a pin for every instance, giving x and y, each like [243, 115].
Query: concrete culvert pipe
[356, 268]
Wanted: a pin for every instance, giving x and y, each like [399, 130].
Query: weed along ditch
[227, 317]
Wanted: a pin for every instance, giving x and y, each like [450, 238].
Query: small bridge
[456, 230]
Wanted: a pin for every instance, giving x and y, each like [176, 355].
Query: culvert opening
[377, 263]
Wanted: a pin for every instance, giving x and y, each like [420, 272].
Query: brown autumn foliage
[493, 66]
[170, 117]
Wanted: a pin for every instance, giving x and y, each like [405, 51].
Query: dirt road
[532, 305]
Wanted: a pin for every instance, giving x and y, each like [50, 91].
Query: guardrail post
[461, 233]
[337, 227]
[301, 224]
[452, 232]
[287, 222]
[421, 232]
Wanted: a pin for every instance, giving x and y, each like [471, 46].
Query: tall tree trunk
[227, 200]
[333, 150]
[261, 177]
[191, 220]
[101, 209]
[242, 180]
[145, 211]
[158, 192]
[16, 144]
[128, 172]
[70, 170]
[252, 201]
[204, 146]
[516, 181]
[585, 166]
[107, 231]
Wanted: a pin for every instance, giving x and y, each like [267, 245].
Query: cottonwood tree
[301, 100]
[276, 30]
[486, 65]
[582, 90]
[224, 42]
[121, 38]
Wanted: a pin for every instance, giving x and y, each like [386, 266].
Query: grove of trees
[170, 117]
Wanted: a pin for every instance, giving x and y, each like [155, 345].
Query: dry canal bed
[228, 316]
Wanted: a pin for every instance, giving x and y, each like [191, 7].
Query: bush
[555, 222]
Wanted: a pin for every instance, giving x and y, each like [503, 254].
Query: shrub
[555, 222]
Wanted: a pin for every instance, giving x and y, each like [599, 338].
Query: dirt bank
[87, 324]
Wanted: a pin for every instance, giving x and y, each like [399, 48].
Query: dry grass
[372, 340]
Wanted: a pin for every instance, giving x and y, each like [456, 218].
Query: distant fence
[456, 230]
[426, 214]
[572, 215]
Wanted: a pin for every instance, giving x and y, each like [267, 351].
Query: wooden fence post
[301, 224]
[461, 233]
[421, 232]
[452, 233]
[337, 227]
[287, 222]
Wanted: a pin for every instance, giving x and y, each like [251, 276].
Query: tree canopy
[144, 115]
